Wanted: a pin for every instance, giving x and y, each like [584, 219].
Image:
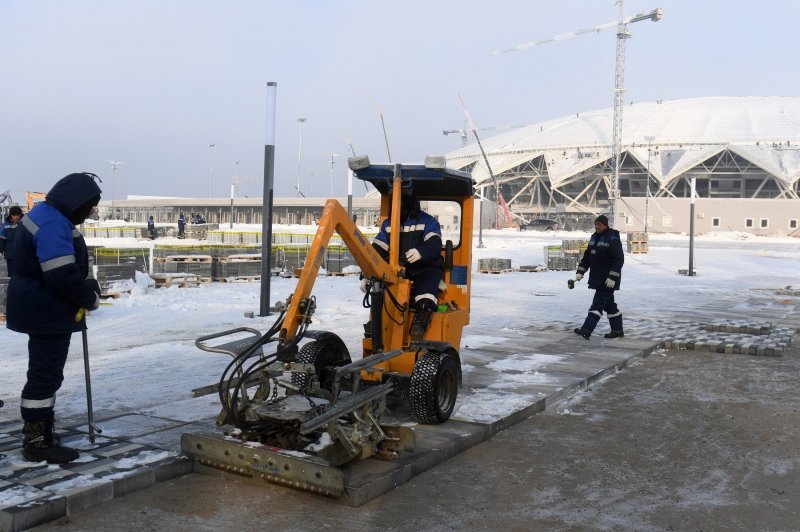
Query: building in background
[744, 153]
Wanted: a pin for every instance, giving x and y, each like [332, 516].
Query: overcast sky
[154, 82]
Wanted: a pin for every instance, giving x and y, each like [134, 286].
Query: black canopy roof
[424, 182]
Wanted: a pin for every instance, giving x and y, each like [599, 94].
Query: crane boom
[654, 15]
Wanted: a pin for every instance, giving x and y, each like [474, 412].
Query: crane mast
[619, 85]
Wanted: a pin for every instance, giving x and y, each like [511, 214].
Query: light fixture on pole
[332, 154]
[114, 165]
[233, 188]
[210, 173]
[300, 121]
[649, 140]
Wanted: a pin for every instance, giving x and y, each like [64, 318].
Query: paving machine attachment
[296, 405]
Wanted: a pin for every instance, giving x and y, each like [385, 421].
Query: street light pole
[210, 173]
[114, 165]
[649, 140]
[332, 154]
[300, 121]
[233, 188]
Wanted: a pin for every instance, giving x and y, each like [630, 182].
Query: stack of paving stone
[241, 267]
[637, 242]
[199, 265]
[493, 265]
[199, 231]
[566, 256]
[162, 251]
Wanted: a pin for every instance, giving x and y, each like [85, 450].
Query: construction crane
[619, 76]
[5, 199]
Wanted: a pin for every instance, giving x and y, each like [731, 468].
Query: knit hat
[603, 219]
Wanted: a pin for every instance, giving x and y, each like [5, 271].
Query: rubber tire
[434, 388]
[325, 361]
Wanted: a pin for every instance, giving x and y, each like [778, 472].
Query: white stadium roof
[763, 130]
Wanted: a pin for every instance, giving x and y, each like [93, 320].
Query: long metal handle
[92, 427]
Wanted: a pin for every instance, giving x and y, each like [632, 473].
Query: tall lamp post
[332, 154]
[210, 173]
[300, 121]
[649, 140]
[233, 188]
[114, 165]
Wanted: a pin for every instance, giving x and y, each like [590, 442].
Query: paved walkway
[138, 450]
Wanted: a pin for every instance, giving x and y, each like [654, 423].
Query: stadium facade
[738, 149]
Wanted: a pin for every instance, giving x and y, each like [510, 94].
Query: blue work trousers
[47, 354]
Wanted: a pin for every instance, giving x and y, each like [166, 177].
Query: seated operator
[420, 251]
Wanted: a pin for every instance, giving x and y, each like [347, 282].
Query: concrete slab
[139, 449]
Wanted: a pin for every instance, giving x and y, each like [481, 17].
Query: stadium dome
[735, 147]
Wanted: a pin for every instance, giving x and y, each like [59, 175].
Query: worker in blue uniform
[603, 259]
[151, 228]
[181, 226]
[7, 229]
[49, 288]
[420, 252]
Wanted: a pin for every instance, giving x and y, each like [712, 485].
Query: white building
[739, 150]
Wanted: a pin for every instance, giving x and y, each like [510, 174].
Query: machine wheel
[325, 357]
[434, 388]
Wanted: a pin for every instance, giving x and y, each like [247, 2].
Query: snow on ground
[143, 355]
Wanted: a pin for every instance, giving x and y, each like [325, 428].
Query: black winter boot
[614, 334]
[41, 444]
[582, 332]
[422, 318]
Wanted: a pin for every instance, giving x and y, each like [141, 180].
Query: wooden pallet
[189, 258]
[494, 271]
[239, 279]
[113, 295]
[2, 316]
[165, 280]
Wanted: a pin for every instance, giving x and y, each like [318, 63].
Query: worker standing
[49, 288]
[420, 251]
[181, 226]
[7, 230]
[151, 228]
[604, 259]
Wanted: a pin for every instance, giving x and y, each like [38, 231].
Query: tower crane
[619, 75]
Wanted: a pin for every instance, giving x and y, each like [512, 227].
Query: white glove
[610, 283]
[363, 285]
[578, 276]
[412, 255]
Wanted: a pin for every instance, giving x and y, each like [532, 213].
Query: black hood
[73, 192]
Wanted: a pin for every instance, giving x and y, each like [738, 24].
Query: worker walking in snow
[603, 258]
[49, 288]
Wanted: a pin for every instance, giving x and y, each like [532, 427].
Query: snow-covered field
[142, 345]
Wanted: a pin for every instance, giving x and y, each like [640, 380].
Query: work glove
[610, 283]
[95, 286]
[412, 256]
[578, 276]
[363, 285]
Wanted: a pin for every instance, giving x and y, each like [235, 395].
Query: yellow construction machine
[295, 412]
[34, 198]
